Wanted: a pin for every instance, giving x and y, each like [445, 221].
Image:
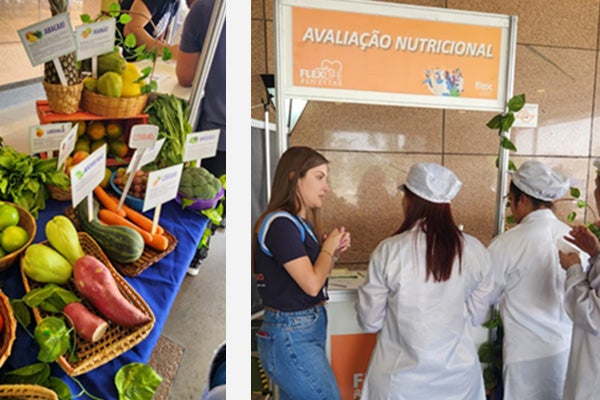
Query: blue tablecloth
[158, 285]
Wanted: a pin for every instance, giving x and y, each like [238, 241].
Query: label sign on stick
[48, 137]
[200, 145]
[162, 186]
[148, 155]
[88, 174]
[67, 145]
[143, 136]
[48, 39]
[95, 38]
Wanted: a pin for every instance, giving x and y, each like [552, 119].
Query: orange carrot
[112, 218]
[141, 220]
[108, 201]
[159, 242]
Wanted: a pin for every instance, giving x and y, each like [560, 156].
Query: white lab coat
[424, 347]
[530, 284]
[583, 305]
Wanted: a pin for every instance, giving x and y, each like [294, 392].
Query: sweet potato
[95, 282]
[87, 324]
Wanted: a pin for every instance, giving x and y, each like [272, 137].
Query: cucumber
[120, 243]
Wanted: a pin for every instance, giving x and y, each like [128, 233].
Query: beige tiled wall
[372, 147]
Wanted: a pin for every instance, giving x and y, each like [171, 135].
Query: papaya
[110, 84]
[111, 62]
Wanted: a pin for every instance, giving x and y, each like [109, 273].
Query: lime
[9, 215]
[13, 238]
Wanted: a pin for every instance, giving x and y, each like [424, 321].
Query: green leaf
[137, 381]
[21, 312]
[114, 7]
[508, 121]
[571, 216]
[581, 204]
[574, 192]
[52, 336]
[511, 166]
[59, 387]
[494, 123]
[516, 103]
[124, 18]
[35, 374]
[511, 220]
[130, 40]
[167, 55]
[86, 19]
[507, 144]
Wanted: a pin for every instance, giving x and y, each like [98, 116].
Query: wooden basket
[113, 107]
[26, 392]
[26, 221]
[148, 257]
[9, 331]
[63, 99]
[117, 339]
[59, 194]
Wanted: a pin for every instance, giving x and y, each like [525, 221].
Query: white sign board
[95, 38]
[143, 136]
[48, 39]
[162, 186]
[88, 174]
[527, 117]
[67, 145]
[199, 145]
[47, 137]
[149, 154]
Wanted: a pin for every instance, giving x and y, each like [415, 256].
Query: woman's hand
[332, 241]
[567, 260]
[584, 239]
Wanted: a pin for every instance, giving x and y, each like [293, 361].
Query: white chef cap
[537, 180]
[432, 182]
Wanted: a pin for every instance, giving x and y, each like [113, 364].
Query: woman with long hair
[292, 264]
[425, 284]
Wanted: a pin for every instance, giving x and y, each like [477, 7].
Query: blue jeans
[291, 348]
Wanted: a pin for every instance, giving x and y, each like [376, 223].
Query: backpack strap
[266, 223]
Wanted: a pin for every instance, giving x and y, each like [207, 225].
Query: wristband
[327, 252]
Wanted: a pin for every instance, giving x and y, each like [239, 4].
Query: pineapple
[68, 62]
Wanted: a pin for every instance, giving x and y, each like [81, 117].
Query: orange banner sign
[442, 58]
[350, 355]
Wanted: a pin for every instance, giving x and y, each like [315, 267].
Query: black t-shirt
[276, 287]
[163, 12]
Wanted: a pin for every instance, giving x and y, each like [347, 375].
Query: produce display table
[158, 285]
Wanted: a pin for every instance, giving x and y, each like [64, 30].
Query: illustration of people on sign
[444, 82]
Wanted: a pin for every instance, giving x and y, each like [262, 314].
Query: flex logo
[329, 73]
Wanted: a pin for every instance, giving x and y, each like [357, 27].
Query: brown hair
[536, 203]
[443, 238]
[293, 165]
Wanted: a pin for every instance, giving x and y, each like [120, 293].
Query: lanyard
[307, 229]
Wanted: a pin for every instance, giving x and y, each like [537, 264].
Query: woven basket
[63, 99]
[26, 221]
[117, 339]
[9, 330]
[114, 107]
[26, 392]
[148, 257]
[59, 194]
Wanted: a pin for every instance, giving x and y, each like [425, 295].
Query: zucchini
[120, 243]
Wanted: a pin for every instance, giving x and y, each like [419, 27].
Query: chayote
[44, 264]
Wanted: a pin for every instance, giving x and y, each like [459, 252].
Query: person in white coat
[425, 284]
[582, 300]
[529, 285]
